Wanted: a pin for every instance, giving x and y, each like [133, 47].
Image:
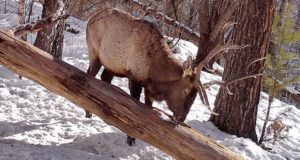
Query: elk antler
[220, 47]
[203, 96]
[201, 90]
[223, 84]
[187, 67]
[256, 60]
[221, 39]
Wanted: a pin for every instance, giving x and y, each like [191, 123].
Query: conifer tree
[282, 62]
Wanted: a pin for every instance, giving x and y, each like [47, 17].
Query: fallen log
[108, 102]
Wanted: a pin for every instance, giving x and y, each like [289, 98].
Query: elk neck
[164, 70]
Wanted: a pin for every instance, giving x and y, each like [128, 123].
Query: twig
[38, 25]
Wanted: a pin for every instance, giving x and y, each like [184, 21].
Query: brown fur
[134, 48]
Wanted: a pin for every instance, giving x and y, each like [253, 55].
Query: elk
[134, 48]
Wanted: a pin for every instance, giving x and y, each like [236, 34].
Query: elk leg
[148, 101]
[135, 91]
[93, 69]
[106, 76]
[130, 141]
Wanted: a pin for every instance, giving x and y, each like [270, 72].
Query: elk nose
[179, 118]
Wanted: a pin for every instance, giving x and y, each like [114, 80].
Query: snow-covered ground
[36, 124]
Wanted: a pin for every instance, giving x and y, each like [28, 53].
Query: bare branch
[30, 10]
[186, 32]
[93, 5]
[38, 25]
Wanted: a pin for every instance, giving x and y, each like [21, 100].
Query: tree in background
[238, 112]
[213, 16]
[51, 39]
[282, 62]
[21, 15]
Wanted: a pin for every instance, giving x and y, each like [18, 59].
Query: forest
[149, 79]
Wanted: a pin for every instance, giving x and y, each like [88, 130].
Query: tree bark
[51, 39]
[238, 112]
[213, 15]
[30, 11]
[110, 103]
[204, 30]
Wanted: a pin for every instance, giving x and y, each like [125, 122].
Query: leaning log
[108, 102]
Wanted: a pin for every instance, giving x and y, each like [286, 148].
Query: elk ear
[187, 67]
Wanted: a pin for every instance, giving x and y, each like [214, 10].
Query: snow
[37, 124]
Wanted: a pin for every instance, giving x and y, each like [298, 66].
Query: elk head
[182, 93]
[191, 84]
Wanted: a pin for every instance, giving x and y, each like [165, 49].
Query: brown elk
[134, 48]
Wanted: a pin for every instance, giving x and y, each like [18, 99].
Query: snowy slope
[37, 124]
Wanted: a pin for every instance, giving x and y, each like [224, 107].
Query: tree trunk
[266, 120]
[213, 15]
[21, 16]
[51, 39]
[4, 7]
[30, 11]
[113, 105]
[238, 112]
[297, 24]
[204, 30]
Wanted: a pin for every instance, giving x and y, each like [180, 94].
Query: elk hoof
[88, 114]
[130, 141]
